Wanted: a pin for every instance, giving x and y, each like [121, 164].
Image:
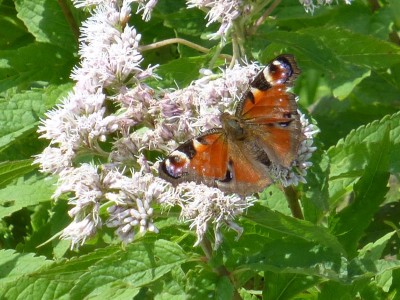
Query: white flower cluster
[227, 12]
[110, 65]
[133, 198]
[202, 205]
[222, 11]
[145, 6]
[309, 5]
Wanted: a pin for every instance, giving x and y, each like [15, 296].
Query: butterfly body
[264, 132]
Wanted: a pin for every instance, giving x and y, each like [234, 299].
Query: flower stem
[216, 55]
[293, 201]
[221, 270]
[180, 41]
[265, 15]
[205, 244]
[70, 18]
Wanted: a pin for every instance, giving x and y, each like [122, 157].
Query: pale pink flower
[222, 11]
[204, 206]
[133, 198]
[110, 61]
[309, 5]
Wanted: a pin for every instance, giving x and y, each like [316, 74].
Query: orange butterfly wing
[269, 112]
[202, 159]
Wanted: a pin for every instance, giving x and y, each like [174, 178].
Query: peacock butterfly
[264, 133]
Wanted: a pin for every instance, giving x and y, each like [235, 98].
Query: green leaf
[385, 221]
[365, 268]
[369, 192]
[357, 17]
[357, 49]
[59, 219]
[335, 290]
[19, 116]
[374, 98]
[374, 251]
[224, 288]
[187, 21]
[274, 198]
[46, 21]
[14, 265]
[305, 45]
[314, 197]
[395, 10]
[55, 281]
[179, 72]
[34, 64]
[24, 193]
[103, 272]
[346, 57]
[115, 291]
[10, 170]
[296, 256]
[12, 29]
[279, 286]
[351, 155]
[286, 226]
[277, 243]
[172, 286]
[143, 262]
[201, 283]
[344, 90]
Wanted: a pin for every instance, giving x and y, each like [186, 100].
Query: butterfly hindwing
[247, 170]
[202, 159]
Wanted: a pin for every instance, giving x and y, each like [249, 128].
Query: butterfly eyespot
[284, 124]
[171, 168]
[287, 115]
[175, 159]
[188, 150]
[250, 95]
[274, 67]
[229, 173]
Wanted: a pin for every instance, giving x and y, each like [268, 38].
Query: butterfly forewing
[269, 111]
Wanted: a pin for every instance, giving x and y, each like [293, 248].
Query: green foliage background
[346, 248]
